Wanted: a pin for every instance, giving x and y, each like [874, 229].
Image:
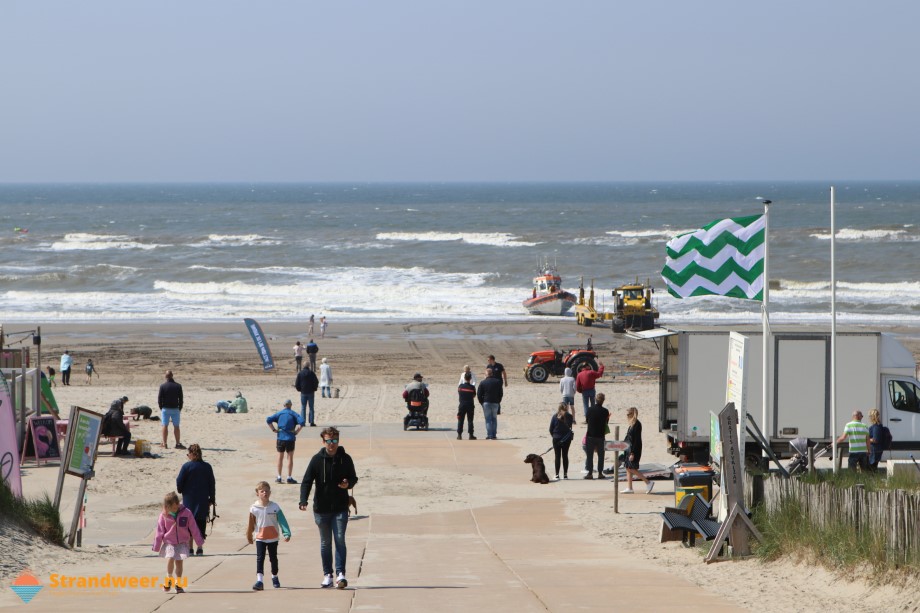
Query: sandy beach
[371, 364]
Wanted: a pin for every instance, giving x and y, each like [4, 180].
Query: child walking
[268, 522]
[176, 529]
[90, 371]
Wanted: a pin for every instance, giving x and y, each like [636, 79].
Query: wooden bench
[688, 523]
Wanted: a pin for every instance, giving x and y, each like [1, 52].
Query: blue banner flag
[261, 344]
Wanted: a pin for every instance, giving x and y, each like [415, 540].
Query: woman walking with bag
[560, 427]
[634, 438]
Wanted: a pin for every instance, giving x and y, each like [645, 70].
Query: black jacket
[113, 422]
[490, 390]
[597, 418]
[467, 394]
[634, 438]
[306, 381]
[327, 471]
[170, 396]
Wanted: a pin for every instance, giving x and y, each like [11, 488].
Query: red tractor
[542, 364]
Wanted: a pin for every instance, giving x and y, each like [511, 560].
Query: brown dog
[539, 470]
[353, 503]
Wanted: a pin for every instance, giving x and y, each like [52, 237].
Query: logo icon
[26, 586]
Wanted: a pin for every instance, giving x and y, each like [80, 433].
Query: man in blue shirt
[286, 423]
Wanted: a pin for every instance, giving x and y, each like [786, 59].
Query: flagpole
[833, 330]
[765, 316]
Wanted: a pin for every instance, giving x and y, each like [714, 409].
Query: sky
[432, 90]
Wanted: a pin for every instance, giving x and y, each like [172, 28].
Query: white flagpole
[765, 314]
[833, 331]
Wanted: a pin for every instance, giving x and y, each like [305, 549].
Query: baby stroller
[799, 462]
[417, 405]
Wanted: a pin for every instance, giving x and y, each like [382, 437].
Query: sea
[436, 251]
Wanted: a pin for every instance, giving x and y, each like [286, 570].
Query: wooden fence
[891, 517]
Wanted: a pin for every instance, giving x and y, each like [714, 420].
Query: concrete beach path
[515, 554]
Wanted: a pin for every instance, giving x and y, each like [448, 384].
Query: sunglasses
[331, 441]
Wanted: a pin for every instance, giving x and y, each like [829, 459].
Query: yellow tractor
[633, 308]
[585, 313]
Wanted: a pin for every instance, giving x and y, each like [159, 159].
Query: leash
[214, 516]
[914, 461]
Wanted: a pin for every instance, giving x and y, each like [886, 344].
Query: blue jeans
[490, 412]
[223, 404]
[332, 525]
[587, 400]
[326, 391]
[306, 398]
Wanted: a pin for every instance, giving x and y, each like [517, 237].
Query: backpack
[416, 397]
[886, 438]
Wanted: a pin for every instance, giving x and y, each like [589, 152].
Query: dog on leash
[539, 470]
[141, 412]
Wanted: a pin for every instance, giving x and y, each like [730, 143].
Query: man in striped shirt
[856, 434]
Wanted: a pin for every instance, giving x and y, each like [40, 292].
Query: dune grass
[38, 515]
[837, 546]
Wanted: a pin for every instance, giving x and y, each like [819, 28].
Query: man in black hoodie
[333, 471]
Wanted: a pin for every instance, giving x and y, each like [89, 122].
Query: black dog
[141, 411]
[539, 470]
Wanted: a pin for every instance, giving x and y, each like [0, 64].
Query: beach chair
[687, 523]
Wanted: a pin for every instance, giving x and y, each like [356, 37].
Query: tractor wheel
[527, 375]
[538, 373]
[588, 322]
[618, 325]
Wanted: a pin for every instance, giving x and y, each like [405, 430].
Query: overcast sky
[517, 90]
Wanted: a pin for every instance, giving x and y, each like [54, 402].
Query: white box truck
[874, 370]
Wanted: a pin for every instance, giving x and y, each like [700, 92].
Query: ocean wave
[850, 234]
[658, 234]
[494, 239]
[235, 240]
[98, 242]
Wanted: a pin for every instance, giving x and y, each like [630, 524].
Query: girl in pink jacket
[176, 528]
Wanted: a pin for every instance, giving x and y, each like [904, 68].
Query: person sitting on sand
[237, 405]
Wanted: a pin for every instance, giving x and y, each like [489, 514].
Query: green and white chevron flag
[724, 258]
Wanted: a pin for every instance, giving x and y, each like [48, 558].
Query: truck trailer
[874, 370]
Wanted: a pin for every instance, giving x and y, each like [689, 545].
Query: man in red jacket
[584, 384]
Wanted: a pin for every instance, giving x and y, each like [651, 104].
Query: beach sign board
[41, 440]
[82, 441]
[255, 331]
[9, 448]
[616, 445]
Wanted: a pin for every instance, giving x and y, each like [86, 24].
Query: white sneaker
[627, 490]
[327, 581]
[649, 487]
[341, 582]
